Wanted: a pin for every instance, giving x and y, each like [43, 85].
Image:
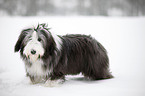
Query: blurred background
[72, 7]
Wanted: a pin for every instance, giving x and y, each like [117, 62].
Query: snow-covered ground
[124, 38]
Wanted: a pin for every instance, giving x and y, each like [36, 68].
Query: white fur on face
[34, 44]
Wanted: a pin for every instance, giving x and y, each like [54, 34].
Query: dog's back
[84, 54]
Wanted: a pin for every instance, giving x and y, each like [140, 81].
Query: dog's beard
[33, 58]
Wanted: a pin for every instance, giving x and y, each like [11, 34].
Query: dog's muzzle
[33, 55]
[33, 52]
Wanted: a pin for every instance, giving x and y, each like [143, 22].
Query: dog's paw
[53, 83]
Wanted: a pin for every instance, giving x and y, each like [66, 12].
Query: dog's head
[35, 43]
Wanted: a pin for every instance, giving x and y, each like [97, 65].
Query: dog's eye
[39, 39]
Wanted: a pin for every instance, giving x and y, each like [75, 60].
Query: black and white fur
[49, 57]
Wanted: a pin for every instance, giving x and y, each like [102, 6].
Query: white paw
[53, 83]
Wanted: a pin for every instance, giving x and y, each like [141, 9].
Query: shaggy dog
[48, 57]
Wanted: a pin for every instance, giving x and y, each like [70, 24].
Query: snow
[124, 38]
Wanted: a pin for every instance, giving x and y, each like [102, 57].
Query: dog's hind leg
[98, 63]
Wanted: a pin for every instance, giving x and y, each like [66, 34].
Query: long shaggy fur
[68, 54]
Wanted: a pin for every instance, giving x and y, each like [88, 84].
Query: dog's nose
[33, 51]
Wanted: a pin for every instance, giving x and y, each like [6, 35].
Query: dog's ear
[18, 45]
[19, 42]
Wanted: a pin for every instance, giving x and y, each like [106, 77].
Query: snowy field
[124, 39]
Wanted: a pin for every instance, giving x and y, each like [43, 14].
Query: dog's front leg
[55, 80]
[53, 83]
[32, 79]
